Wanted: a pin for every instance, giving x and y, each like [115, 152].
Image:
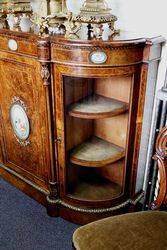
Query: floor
[24, 224]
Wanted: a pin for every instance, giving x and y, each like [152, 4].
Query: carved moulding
[19, 121]
[161, 158]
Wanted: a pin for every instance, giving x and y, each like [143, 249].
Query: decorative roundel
[98, 57]
[19, 121]
[12, 44]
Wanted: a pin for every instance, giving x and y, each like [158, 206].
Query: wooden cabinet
[71, 120]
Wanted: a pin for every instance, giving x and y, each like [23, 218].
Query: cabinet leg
[52, 204]
[52, 208]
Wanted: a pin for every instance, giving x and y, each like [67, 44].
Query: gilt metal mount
[96, 13]
[12, 10]
[15, 6]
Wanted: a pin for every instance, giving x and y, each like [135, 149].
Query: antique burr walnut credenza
[71, 114]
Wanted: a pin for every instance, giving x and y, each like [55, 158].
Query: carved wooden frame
[161, 158]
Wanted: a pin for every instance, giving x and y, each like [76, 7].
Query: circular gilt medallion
[19, 121]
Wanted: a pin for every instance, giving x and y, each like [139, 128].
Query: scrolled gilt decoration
[22, 143]
[3, 21]
[161, 158]
[15, 6]
[96, 13]
[45, 73]
[71, 26]
[13, 12]
[42, 23]
[17, 99]
[53, 22]
[3, 14]
[58, 15]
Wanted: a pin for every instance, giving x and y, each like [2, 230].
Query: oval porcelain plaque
[19, 121]
[98, 57]
[12, 44]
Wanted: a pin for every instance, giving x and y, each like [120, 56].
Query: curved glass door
[96, 122]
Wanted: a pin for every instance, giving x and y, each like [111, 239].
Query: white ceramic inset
[19, 121]
[98, 57]
[12, 45]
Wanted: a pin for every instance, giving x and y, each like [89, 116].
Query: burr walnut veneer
[71, 115]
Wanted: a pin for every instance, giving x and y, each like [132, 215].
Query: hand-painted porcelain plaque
[19, 121]
[98, 57]
[12, 44]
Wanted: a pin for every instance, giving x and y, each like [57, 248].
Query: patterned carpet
[24, 224]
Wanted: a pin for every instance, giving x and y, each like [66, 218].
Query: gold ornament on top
[3, 13]
[72, 27]
[53, 23]
[15, 8]
[57, 17]
[95, 13]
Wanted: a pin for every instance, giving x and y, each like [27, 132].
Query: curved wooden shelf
[97, 107]
[95, 190]
[96, 153]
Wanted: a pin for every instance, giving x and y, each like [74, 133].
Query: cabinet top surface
[119, 40]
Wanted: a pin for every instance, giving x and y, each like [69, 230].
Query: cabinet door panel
[22, 81]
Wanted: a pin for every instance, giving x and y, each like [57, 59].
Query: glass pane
[96, 123]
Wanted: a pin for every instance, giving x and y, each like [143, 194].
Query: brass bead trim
[45, 192]
[62, 46]
[94, 210]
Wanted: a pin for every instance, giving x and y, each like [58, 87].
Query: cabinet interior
[96, 124]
